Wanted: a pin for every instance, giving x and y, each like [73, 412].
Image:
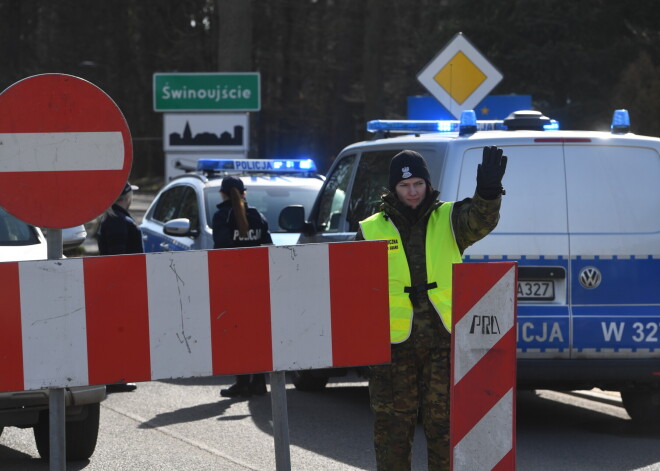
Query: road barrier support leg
[57, 429]
[280, 421]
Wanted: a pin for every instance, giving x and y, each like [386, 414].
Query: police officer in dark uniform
[235, 224]
[118, 234]
[429, 236]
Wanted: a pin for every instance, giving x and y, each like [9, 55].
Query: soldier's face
[411, 191]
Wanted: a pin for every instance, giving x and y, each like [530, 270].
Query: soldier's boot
[241, 388]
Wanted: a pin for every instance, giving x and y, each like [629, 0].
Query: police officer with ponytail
[425, 237]
[235, 224]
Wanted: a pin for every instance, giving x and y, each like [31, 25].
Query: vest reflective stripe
[441, 252]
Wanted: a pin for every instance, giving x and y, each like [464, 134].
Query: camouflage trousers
[416, 382]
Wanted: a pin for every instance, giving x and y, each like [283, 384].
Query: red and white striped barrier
[132, 318]
[483, 419]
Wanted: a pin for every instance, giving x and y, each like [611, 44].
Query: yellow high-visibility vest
[441, 252]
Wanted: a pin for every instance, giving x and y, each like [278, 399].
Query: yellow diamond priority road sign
[459, 77]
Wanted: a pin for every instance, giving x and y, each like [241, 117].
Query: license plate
[536, 290]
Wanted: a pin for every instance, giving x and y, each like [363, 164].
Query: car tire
[308, 382]
[81, 435]
[643, 407]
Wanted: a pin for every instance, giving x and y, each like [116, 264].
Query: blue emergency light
[620, 122]
[553, 125]
[257, 165]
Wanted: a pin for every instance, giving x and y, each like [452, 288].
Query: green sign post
[207, 91]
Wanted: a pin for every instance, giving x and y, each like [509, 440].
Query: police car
[180, 216]
[581, 217]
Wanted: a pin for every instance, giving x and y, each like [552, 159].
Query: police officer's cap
[128, 187]
[232, 182]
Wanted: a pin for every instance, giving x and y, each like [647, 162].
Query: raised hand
[490, 172]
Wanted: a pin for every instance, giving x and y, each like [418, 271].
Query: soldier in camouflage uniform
[418, 378]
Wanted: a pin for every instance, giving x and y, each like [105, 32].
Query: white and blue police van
[181, 214]
[581, 217]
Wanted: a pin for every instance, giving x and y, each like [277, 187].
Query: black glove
[490, 172]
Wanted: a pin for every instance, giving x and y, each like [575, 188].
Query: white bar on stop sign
[61, 151]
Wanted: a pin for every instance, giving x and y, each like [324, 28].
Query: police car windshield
[269, 200]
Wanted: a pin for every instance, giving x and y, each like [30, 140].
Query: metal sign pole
[280, 421]
[56, 403]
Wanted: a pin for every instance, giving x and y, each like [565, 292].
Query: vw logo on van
[590, 277]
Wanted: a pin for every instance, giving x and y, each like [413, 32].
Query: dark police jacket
[119, 234]
[225, 229]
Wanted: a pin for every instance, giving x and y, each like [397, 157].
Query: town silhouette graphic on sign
[225, 138]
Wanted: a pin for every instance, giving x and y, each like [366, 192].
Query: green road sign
[207, 92]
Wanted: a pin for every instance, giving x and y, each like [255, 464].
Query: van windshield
[371, 182]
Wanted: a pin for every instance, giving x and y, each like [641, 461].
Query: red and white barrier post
[483, 377]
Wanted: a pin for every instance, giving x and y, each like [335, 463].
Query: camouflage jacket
[472, 219]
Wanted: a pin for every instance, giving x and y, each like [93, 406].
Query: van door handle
[165, 246]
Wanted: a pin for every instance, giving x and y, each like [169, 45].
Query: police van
[181, 214]
[581, 217]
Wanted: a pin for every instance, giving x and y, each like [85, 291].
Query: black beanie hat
[408, 164]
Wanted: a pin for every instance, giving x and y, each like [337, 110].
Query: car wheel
[643, 407]
[306, 381]
[81, 435]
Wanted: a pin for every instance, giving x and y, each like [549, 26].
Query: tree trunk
[234, 35]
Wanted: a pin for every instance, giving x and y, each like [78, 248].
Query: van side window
[370, 183]
[611, 189]
[333, 194]
[535, 200]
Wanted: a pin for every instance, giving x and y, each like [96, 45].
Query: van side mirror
[292, 218]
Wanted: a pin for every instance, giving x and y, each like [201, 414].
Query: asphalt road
[186, 425]
[581, 431]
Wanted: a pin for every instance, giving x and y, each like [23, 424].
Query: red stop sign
[65, 150]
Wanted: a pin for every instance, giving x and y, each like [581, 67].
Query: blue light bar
[468, 124]
[257, 165]
[620, 122]
[411, 126]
